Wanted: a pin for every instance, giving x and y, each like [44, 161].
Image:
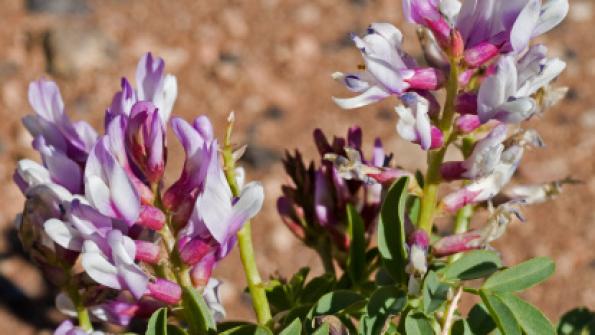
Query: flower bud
[145, 138]
[426, 79]
[480, 54]
[466, 104]
[147, 252]
[467, 123]
[151, 217]
[457, 45]
[165, 291]
[192, 251]
[452, 170]
[453, 244]
[201, 271]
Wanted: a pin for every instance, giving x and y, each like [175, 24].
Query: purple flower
[488, 186]
[197, 140]
[414, 122]
[50, 122]
[155, 86]
[508, 25]
[113, 265]
[107, 186]
[506, 95]
[218, 216]
[388, 70]
[145, 140]
[483, 159]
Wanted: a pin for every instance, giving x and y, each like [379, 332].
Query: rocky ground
[270, 61]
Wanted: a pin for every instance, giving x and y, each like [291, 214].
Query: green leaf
[247, 330]
[316, 288]
[175, 330]
[521, 276]
[323, 330]
[480, 321]
[391, 230]
[384, 302]
[418, 324]
[578, 321]
[334, 302]
[387, 300]
[294, 328]
[501, 314]
[472, 265]
[461, 327]
[434, 293]
[158, 323]
[196, 312]
[356, 260]
[531, 320]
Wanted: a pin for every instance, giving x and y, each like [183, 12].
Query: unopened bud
[147, 252]
[151, 217]
[453, 244]
[467, 123]
[480, 54]
[165, 291]
[191, 252]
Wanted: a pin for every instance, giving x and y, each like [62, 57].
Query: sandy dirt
[270, 61]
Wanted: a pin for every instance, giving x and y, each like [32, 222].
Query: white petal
[523, 28]
[98, 194]
[552, 13]
[373, 94]
[63, 234]
[98, 267]
[123, 195]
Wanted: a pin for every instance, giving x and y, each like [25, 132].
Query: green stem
[81, 311]
[435, 158]
[260, 303]
[462, 220]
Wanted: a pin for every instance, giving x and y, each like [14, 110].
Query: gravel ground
[270, 61]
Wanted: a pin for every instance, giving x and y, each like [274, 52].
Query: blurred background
[270, 61]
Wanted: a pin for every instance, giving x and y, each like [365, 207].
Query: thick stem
[81, 312]
[435, 158]
[260, 303]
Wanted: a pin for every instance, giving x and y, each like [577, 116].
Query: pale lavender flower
[51, 123]
[107, 186]
[483, 159]
[217, 216]
[388, 70]
[197, 140]
[414, 123]
[506, 95]
[509, 25]
[489, 186]
[113, 264]
[156, 86]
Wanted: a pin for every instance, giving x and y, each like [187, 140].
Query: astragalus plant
[121, 244]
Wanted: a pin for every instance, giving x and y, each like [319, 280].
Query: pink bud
[151, 217]
[165, 291]
[480, 54]
[387, 175]
[452, 170]
[426, 79]
[456, 243]
[465, 77]
[441, 30]
[147, 252]
[201, 271]
[437, 138]
[191, 252]
[467, 123]
[419, 238]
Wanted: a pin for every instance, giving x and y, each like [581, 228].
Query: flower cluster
[314, 205]
[101, 200]
[495, 79]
